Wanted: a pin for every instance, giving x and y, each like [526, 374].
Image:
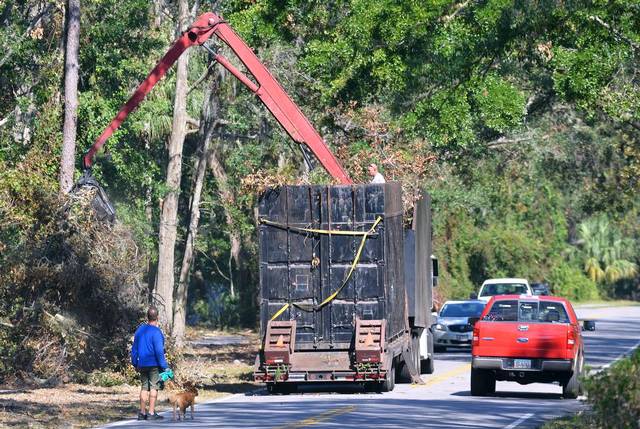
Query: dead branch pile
[71, 295]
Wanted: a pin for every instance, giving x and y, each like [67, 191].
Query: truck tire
[390, 383]
[491, 383]
[404, 375]
[480, 382]
[572, 388]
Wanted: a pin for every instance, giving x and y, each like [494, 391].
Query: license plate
[462, 337]
[522, 363]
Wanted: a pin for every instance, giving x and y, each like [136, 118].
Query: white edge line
[517, 422]
[619, 357]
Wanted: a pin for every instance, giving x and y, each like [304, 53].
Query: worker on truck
[376, 176]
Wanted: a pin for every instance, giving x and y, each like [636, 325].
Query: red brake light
[476, 335]
[571, 337]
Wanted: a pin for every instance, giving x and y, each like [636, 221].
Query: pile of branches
[71, 295]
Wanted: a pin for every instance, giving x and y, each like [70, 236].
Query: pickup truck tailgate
[521, 339]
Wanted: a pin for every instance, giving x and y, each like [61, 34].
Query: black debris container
[304, 260]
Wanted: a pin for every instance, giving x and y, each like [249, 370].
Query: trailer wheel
[404, 373]
[480, 382]
[390, 383]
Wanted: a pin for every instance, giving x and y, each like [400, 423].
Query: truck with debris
[345, 289]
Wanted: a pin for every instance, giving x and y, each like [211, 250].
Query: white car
[508, 286]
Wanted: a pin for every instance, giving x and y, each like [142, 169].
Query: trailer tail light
[476, 335]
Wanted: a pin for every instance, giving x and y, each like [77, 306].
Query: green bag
[166, 375]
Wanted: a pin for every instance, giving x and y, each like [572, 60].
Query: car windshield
[527, 311]
[503, 289]
[462, 309]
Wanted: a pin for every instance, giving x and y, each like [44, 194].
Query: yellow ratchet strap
[330, 298]
[279, 312]
[313, 230]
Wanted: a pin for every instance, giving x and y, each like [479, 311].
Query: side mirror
[473, 320]
[434, 271]
[588, 325]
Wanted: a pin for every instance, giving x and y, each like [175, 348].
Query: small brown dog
[181, 398]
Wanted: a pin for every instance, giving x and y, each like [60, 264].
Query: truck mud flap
[369, 341]
[279, 342]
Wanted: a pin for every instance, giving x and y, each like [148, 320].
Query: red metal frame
[270, 92]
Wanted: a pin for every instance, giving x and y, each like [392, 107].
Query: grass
[577, 421]
[605, 303]
[217, 371]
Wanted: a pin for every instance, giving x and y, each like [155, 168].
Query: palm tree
[606, 252]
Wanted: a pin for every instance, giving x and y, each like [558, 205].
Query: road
[442, 402]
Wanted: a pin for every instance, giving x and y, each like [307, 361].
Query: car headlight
[439, 327]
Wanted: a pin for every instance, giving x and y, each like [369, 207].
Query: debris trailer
[345, 290]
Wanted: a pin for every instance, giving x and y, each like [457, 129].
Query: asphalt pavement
[443, 401]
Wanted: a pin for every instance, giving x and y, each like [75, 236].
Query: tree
[168, 220]
[71, 72]
[209, 121]
[605, 251]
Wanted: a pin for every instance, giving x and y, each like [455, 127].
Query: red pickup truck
[527, 339]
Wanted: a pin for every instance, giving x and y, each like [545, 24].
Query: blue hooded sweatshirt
[148, 348]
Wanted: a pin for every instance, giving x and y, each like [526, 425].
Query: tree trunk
[209, 122]
[228, 199]
[168, 220]
[67, 161]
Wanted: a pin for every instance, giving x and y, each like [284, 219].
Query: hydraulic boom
[266, 87]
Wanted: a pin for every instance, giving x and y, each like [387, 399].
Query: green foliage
[220, 310]
[105, 378]
[500, 104]
[500, 251]
[614, 394]
[604, 251]
[571, 283]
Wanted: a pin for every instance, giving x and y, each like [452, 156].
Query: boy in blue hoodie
[147, 356]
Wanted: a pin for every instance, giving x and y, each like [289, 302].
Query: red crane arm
[270, 92]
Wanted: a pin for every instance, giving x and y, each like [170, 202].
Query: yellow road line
[442, 377]
[319, 418]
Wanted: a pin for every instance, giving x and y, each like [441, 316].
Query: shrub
[571, 283]
[71, 291]
[106, 378]
[615, 393]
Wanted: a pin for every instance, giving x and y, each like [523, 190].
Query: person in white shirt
[376, 176]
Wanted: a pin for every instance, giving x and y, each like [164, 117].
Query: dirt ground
[216, 369]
